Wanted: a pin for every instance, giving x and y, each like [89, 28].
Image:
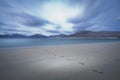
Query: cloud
[1, 24]
[52, 31]
[30, 20]
[118, 18]
[24, 17]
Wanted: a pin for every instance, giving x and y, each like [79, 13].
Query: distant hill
[22, 36]
[37, 36]
[96, 34]
[78, 34]
[61, 35]
[13, 36]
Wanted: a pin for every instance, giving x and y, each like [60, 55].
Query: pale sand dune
[95, 61]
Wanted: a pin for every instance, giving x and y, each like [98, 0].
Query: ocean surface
[29, 42]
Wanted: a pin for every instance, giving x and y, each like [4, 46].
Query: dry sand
[95, 61]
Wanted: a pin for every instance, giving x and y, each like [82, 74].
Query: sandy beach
[93, 61]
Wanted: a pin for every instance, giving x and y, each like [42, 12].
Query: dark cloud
[1, 24]
[53, 31]
[99, 16]
[21, 16]
[30, 20]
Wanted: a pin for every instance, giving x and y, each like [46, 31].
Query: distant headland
[84, 34]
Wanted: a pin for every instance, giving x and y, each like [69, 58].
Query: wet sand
[94, 61]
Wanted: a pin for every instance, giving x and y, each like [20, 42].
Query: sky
[55, 17]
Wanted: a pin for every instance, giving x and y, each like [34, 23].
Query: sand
[93, 61]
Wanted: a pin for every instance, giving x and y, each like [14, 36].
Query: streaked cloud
[53, 17]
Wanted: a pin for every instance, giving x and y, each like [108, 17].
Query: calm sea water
[28, 42]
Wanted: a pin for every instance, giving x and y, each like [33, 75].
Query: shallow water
[28, 42]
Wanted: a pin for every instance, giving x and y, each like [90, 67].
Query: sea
[29, 42]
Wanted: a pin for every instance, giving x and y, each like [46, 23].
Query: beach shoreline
[57, 45]
[97, 61]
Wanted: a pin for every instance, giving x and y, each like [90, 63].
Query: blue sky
[54, 17]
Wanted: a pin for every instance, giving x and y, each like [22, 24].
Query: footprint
[94, 70]
[81, 63]
[48, 51]
[97, 71]
[68, 59]
[53, 54]
[62, 56]
[100, 72]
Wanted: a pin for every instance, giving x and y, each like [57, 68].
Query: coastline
[99, 61]
[50, 45]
